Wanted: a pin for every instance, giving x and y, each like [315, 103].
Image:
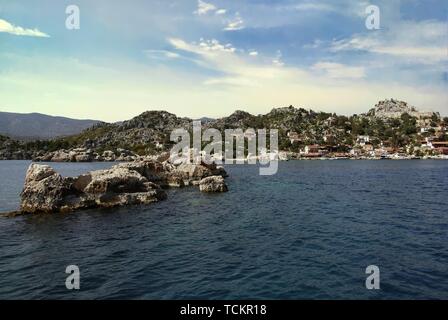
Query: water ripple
[307, 232]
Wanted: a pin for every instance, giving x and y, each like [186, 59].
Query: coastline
[441, 157]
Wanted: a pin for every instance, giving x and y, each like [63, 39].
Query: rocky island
[131, 183]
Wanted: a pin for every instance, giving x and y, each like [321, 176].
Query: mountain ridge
[149, 132]
[32, 126]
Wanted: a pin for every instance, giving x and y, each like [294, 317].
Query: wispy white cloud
[214, 45]
[338, 71]
[343, 7]
[307, 6]
[231, 24]
[328, 85]
[161, 54]
[237, 23]
[7, 27]
[277, 61]
[204, 8]
[231, 81]
[316, 44]
[419, 42]
[237, 67]
[204, 47]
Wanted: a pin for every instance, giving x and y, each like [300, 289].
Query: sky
[209, 58]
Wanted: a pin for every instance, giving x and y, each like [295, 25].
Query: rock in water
[213, 184]
[137, 182]
[194, 171]
[44, 190]
[47, 191]
[169, 175]
[117, 180]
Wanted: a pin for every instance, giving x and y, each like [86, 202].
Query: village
[428, 146]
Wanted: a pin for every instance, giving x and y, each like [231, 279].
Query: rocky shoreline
[86, 155]
[130, 183]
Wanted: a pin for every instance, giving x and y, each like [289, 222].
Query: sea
[308, 232]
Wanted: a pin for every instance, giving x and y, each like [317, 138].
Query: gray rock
[213, 184]
[44, 190]
[47, 191]
[116, 180]
[389, 109]
[108, 156]
[83, 157]
[138, 182]
[194, 171]
[61, 156]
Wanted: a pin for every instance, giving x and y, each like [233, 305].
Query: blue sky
[209, 58]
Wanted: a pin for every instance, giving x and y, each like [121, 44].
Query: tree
[435, 117]
[408, 124]
[445, 121]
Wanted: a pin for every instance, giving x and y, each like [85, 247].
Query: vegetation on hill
[150, 132]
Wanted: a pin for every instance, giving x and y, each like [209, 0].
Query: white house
[362, 140]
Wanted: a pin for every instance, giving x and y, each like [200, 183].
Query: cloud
[239, 81]
[307, 6]
[161, 54]
[231, 81]
[348, 8]
[330, 86]
[7, 27]
[235, 65]
[236, 24]
[418, 42]
[277, 61]
[214, 45]
[204, 47]
[253, 53]
[316, 44]
[204, 8]
[219, 71]
[338, 71]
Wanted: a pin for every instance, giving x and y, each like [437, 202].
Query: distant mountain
[33, 126]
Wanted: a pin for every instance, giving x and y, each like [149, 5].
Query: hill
[33, 126]
[391, 124]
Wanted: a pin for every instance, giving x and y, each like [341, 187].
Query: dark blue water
[308, 232]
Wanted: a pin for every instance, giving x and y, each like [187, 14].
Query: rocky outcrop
[192, 174]
[140, 182]
[61, 156]
[168, 175]
[84, 155]
[389, 109]
[213, 184]
[108, 156]
[44, 190]
[47, 191]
